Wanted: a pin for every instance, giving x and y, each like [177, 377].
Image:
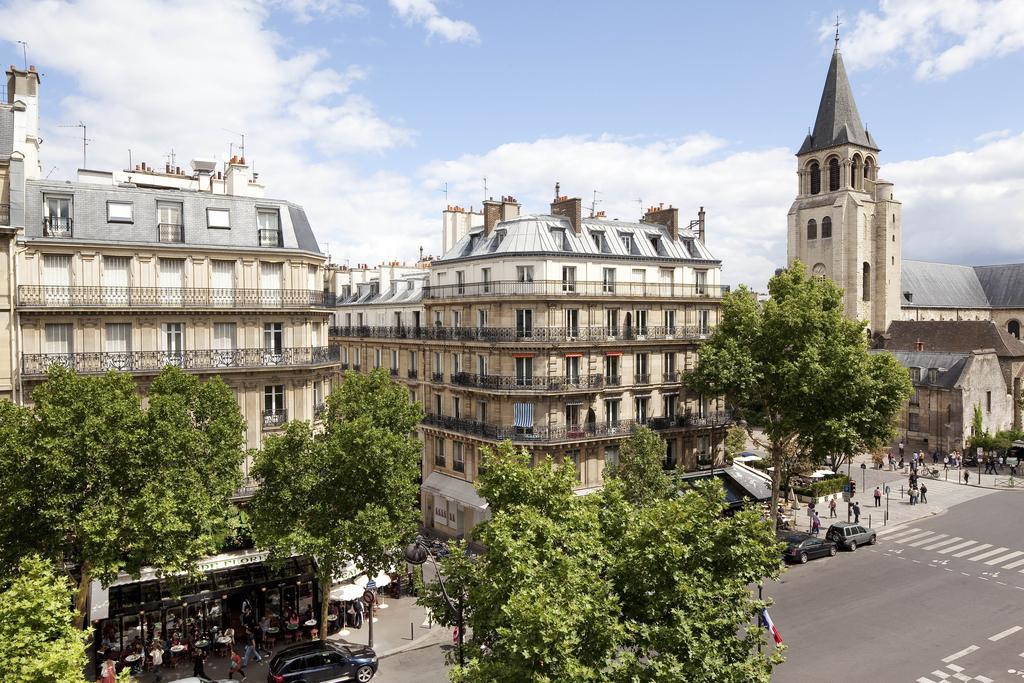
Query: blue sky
[360, 110]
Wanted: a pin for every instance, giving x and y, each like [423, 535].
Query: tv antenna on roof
[593, 204]
[231, 145]
[485, 188]
[640, 201]
[24, 52]
[85, 140]
[445, 190]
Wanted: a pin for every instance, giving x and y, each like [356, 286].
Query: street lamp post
[417, 554]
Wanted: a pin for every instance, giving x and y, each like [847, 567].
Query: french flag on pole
[770, 625]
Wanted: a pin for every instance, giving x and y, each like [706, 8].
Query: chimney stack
[492, 215]
[700, 225]
[661, 216]
[509, 208]
[571, 208]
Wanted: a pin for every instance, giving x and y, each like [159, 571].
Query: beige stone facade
[563, 347]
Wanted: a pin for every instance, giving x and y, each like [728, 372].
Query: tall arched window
[868, 170]
[833, 174]
[826, 227]
[1013, 327]
[866, 282]
[812, 229]
[815, 172]
[855, 172]
[818, 270]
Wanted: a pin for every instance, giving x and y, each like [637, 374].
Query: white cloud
[425, 12]
[746, 193]
[305, 11]
[942, 37]
[180, 75]
[966, 207]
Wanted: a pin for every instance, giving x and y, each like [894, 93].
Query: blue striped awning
[523, 415]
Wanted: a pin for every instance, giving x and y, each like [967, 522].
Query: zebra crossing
[961, 548]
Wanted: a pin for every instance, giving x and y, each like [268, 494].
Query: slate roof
[950, 365]
[838, 121]
[941, 285]
[1003, 285]
[548, 235]
[404, 291]
[952, 336]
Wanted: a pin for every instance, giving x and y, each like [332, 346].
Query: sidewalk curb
[418, 644]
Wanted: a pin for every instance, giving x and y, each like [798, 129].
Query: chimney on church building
[668, 217]
[571, 208]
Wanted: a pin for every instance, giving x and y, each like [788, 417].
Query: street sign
[863, 465]
[886, 490]
[846, 488]
[368, 597]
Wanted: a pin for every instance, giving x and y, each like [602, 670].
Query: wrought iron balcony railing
[517, 383]
[437, 377]
[272, 419]
[34, 364]
[269, 238]
[596, 288]
[524, 335]
[46, 296]
[595, 430]
[411, 374]
[171, 232]
[57, 227]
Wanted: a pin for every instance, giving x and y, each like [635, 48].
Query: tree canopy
[98, 482]
[38, 642]
[594, 588]
[347, 494]
[639, 468]
[798, 369]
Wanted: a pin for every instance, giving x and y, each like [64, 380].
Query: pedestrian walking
[359, 613]
[251, 650]
[815, 524]
[856, 513]
[236, 666]
[901, 451]
[945, 463]
[967, 476]
[832, 506]
[924, 493]
[878, 497]
[198, 663]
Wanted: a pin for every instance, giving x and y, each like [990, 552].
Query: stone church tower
[844, 223]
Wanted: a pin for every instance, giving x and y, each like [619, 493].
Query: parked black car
[848, 535]
[801, 547]
[322, 662]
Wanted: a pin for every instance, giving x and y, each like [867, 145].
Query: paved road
[426, 666]
[941, 599]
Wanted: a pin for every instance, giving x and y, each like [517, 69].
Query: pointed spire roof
[838, 122]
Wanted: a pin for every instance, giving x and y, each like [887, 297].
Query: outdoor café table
[177, 649]
[311, 623]
[273, 631]
[202, 644]
[292, 629]
[131, 659]
[332, 617]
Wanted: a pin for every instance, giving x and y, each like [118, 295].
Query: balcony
[57, 227]
[394, 372]
[5, 214]
[579, 288]
[670, 376]
[517, 383]
[613, 380]
[537, 335]
[355, 367]
[642, 378]
[37, 364]
[171, 233]
[272, 419]
[437, 377]
[269, 238]
[411, 374]
[597, 430]
[45, 296]
[319, 409]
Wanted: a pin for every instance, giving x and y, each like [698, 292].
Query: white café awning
[349, 591]
[458, 490]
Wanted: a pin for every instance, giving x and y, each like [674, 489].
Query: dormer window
[269, 228]
[627, 242]
[915, 374]
[933, 375]
[561, 239]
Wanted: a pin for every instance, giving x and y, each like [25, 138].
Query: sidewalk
[400, 626]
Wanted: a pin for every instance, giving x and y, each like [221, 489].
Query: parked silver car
[848, 535]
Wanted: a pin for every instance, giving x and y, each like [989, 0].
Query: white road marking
[1007, 632]
[940, 674]
[983, 578]
[965, 573]
[942, 543]
[954, 667]
[917, 561]
[990, 553]
[1001, 583]
[971, 551]
[1004, 558]
[893, 531]
[956, 547]
[926, 540]
[1014, 564]
[922, 679]
[912, 537]
[983, 679]
[903, 533]
[957, 655]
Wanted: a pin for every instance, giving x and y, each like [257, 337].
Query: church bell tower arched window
[815, 178]
[833, 174]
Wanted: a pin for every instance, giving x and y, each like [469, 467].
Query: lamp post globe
[415, 554]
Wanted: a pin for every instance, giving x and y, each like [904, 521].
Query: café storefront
[154, 606]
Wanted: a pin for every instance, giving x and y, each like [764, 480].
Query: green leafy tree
[105, 486]
[799, 370]
[578, 589]
[735, 442]
[639, 468]
[38, 642]
[347, 494]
